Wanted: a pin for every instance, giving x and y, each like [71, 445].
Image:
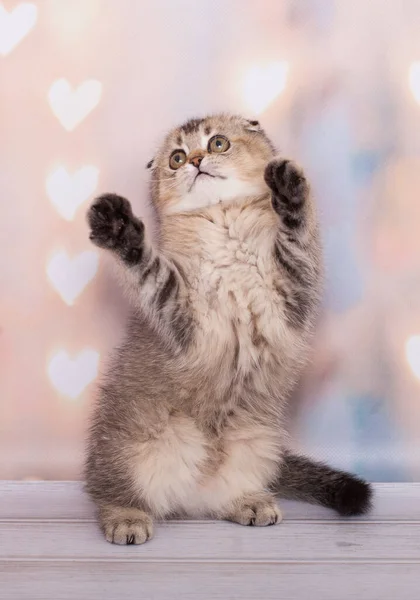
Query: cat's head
[220, 158]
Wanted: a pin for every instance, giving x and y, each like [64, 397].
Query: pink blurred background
[336, 84]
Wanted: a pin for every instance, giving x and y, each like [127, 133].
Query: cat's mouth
[204, 174]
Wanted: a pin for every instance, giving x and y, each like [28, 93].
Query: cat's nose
[196, 161]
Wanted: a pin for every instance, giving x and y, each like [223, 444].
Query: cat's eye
[218, 143]
[177, 159]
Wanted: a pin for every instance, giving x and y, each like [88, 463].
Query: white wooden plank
[44, 500]
[187, 541]
[50, 547]
[66, 500]
[110, 580]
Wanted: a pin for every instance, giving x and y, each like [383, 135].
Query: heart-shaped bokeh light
[67, 192]
[414, 80]
[412, 352]
[70, 276]
[15, 25]
[263, 83]
[70, 376]
[72, 106]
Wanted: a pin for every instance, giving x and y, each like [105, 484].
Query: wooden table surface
[51, 548]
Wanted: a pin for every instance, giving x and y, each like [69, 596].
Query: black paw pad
[112, 222]
[287, 182]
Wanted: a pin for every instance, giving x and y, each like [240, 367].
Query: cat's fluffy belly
[181, 471]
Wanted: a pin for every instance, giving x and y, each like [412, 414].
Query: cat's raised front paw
[287, 182]
[114, 226]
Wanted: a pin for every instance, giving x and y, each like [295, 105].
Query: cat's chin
[191, 202]
[208, 191]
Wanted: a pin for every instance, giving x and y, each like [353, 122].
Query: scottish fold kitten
[190, 417]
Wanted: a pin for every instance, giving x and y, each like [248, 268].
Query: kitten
[190, 418]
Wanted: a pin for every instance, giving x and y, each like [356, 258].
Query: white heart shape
[72, 106]
[71, 376]
[264, 83]
[412, 352]
[70, 276]
[67, 192]
[14, 26]
[414, 80]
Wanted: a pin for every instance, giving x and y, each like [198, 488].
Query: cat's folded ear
[252, 125]
[150, 163]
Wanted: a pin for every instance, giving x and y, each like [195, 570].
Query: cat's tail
[302, 478]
